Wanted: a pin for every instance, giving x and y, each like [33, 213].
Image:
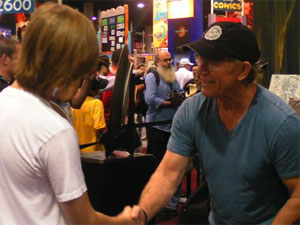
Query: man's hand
[131, 215]
[176, 100]
[139, 214]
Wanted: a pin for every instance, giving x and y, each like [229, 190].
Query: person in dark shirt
[9, 53]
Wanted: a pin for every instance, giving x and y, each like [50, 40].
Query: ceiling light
[140, 5]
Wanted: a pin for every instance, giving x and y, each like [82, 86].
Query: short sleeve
[182, 140]
[60, 158]
[98, 115]
[286, 151]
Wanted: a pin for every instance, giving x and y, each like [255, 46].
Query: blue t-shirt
[243, 167]
[155, 96]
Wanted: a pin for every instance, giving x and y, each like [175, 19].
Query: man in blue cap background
[247, 138]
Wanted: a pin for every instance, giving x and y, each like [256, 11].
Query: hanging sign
[16, 6]
[227, 5]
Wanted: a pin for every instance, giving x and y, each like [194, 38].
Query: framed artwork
[285, 86]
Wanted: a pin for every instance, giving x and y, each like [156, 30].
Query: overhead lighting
[140, 5]
[94, 18]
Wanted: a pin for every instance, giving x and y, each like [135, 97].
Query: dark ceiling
[139, 17]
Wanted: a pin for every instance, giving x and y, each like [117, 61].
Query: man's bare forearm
[156, 194]
[163, 183]
[289, 214]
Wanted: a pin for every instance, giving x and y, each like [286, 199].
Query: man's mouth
[208, 81]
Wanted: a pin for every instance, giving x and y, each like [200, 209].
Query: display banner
[16, 6]
[227, 5]
[114, 28]
[186, 9]
[160, 24]
[182, 34]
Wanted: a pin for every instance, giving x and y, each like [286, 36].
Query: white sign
[285, 86]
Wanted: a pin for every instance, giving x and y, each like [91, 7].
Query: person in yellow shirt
[89, 122]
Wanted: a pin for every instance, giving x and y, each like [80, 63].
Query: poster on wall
[114, 29]
[182, 34]
[287, 87]
[160, 24]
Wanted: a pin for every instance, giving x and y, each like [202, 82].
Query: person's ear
[244, 70]
[5, 59]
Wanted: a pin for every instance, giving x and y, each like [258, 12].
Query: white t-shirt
[183, 75]
[39, 160]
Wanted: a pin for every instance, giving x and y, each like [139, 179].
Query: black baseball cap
[226, 40]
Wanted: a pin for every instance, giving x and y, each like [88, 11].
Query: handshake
[134, 215]
[176, 98]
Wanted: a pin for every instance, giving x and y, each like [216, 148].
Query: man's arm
[80, 211]
[163, 183]
[290, 212]
[83, 91]
[151, 93]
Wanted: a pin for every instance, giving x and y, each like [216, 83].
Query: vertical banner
[160, 24]
[114, 28]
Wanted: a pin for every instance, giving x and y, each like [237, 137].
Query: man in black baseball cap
[247, 139]
[227, 40]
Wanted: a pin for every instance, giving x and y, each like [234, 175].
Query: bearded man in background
[160, 86]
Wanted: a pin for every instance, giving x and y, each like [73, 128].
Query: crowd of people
[246, 138]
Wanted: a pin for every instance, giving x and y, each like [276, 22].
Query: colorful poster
[114, 27]
[160, 24]
[182, 34]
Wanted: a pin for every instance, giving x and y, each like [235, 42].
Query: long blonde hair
[59, 46]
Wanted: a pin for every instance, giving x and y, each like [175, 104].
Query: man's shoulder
[198, 102]
[274, 103]
[151, 76]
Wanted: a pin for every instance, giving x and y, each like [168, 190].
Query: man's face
[164, 60]
[143, 69]
[103, 71]
[12, 63]
[218, 77]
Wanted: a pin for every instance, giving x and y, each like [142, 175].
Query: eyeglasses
[167, 60]
[210, 64]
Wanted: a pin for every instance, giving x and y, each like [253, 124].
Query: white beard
[166, 73]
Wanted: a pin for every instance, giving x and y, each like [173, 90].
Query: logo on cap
[213, 33]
